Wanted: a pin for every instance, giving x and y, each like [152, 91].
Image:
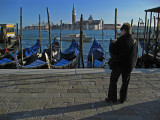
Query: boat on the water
[7, 51]
[43, 62]
[7, 36]
[7, 63]
[96, 56]
[76, 37]
[55, 51]
[37, 64]
[8, 40]
[29, 54]
[69, 57]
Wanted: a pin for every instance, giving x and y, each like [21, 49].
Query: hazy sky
[62, 10]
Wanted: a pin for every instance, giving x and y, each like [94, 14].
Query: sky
[62, 10]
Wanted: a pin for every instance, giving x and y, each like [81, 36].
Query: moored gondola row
[14, 56]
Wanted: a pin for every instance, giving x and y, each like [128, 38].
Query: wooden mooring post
[157, 35]
[147, 46]
[150, 30]
[40, 32]
[148, 39]
[18, 37]
[144, 36]
[81, 43]
[154, 29]
[115, 23]
[138, 33]
[50, 43]
[131, 23]
[144, 40]
[21, 35]
[154, 35]
[103, 32]
[61, 37]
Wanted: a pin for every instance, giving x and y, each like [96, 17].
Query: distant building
[73, 15]
[89, 24]
[111, 26]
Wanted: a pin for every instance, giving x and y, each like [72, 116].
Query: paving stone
[52, 79]
[70, 95]
[155, 83]
[30, 104]
[77, 90]
[102, 90]
[43, 95]
[77, 96]
[133, 86]
[104, 109]
[31, 90]
[64, 83]
[3, 110]
[55, 90]
[74, 83]
[62, 100]
[80, 86]
[98, 95]
[10, 89]
[92, 90]
[86, 100]
[94, 86]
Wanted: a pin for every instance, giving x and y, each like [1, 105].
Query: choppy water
[30, 37]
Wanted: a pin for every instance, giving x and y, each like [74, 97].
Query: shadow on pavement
[54, 111]
[142, 111]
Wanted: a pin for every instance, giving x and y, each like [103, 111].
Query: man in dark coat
[126, 50]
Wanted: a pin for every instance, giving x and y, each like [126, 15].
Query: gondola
[42, 62]
[7, 63]
[69, 57]
[6, 52]
[96, 56]
[55, 52]
[29, 54]
[37, 64]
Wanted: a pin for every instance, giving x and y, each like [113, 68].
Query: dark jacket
[127, 49]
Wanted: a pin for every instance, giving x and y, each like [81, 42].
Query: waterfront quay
[73, 94]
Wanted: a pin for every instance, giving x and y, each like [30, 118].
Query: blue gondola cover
[69, 54]
[5, 60]
[35, 64]
[98, 55]
[97, 51]
[72, 52]
[96, 64]
[62, 62]
[29, 51]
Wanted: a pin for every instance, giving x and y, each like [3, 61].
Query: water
[30, 37]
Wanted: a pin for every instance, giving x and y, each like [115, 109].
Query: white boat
[76, 37]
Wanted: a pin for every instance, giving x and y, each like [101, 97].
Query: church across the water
[89, 24]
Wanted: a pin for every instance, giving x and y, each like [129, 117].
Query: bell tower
[73, 15]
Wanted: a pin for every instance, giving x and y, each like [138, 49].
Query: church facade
[89, 24]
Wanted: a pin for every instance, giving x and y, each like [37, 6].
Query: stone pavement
[76, 94]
